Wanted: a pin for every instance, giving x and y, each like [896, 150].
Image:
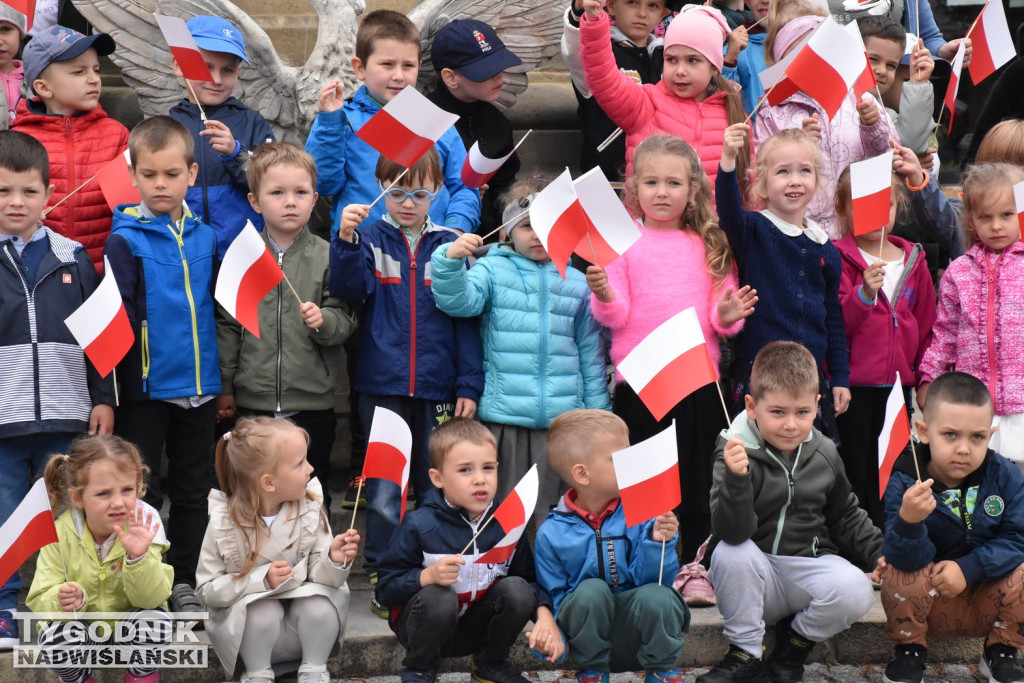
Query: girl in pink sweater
[681, 260]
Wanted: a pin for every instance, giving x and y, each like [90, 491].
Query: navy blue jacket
[408, 347]
[220, 194]
[987, 545]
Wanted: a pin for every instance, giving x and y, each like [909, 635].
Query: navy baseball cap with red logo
[473, 49]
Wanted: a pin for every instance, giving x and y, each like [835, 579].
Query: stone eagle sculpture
[286, 96]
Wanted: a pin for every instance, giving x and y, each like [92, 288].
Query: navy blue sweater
[797, 283]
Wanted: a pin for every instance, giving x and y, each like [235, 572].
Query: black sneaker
[908, 665]
[1000, 664]
[738, 666]
[183, 599]
[785, 664]
[375, 606]
[497, 673]
[355, 494]
[416, 676]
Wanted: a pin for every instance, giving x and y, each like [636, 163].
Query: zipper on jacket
[69, 144]
[145, 354]
[179, 238]
[277, 388]
[990, 325]
[600, 555]
[791, 485]
[412, 307]
[541, 375]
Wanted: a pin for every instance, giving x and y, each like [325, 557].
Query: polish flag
[183, 47]
[669, 364]
[26, 7]
[832, 62]
[513, 514]
[101, 325]
[116, 182]
[954, 83]
[895, 434]
[559, 220]
[609, 226]
[478, 169]
[389, 451]
[406, 127]
[29, 528]
[871, 188]
[990, 37]
[247, 273]
[1018, 198]
[648, 476]
[779, 87]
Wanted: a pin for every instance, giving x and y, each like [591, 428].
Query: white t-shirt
[893, 273]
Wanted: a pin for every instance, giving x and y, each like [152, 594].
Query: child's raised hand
[220, 137]
[464, 246]
[735, 456]
[344, 547]
[665, 527]
[732, 142]
[140, 531]
[70, 597]
[332, 97]
[918, 502]
[906, 163]
[545, 637]
[948, 579]
[278, 572]
[874, 276]
[444, 572]
[867, 109]
[921, 63]
[311, 315]
[738, 41]
[736, 305]
[597, 280]
[840, 399]
[811, 126]
[593, 8]
[351, 216]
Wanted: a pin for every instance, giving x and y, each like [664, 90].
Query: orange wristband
[924, 183]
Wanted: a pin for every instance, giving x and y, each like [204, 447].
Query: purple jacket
[886, 337]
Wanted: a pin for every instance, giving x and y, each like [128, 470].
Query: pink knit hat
[699, 28]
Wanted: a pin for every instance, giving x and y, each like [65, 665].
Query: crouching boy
[954, 543]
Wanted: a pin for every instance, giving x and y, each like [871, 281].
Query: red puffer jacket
[78, 147]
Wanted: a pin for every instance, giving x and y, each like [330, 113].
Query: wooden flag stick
[881, 246]
[68, 196]
[297, 297]
[762, 101]
[387, 189]
[478, 532]
[592, 251]
[913, 451]
[885, 114]
[757, 22]
[355, 509]
[514, 219]
[117, 399]
[609, 140]
[202, 114]
[728, 420]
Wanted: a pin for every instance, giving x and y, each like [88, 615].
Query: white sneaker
[313, 674]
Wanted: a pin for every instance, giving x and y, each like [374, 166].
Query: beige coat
[304, 547]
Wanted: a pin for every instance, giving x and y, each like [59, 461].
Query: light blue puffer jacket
[543, 351]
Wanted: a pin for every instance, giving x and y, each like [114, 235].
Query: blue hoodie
[749, 66]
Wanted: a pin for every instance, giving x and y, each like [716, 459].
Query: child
[470, 61]
[164, 259]
[859, 129]
[229, 132]
[957, 569]
[387, 60]
[289, 370]
[888, 309]
[531, 378]
[744, 55]
[637, 53]
[787, 519]
[789, 260]
[62, 67]
[107, 557]
[44, 364]
[608, 602]
[271, 574]
[414, 359]
[12, 30]
[444, 604]
[1003, 142]
[681, 260]
[691, 101]
[978, 329]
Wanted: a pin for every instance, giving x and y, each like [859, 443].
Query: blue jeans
[22, 461]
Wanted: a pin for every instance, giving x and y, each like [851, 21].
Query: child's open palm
[138, 534]
[735, 305]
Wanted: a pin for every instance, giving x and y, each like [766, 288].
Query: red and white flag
[29, 528]
[871, 188]
[478, 169]
[832, 62]
[895, 434]
[1018, 198]
[559, 220]
[610, 229]
[389, 451]
[116, 182]
[954, 83]
[406, 127]
[26, 7]
[648, 476]
[247, 273]
[183, 47]
[513, 514]
[991, 42]
[669, 364]
[101, 325]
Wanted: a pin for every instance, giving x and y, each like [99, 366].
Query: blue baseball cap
[59, 44]
[217, 35]
[473, 49]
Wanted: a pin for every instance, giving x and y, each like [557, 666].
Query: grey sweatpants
[518, 449]
[827, 593]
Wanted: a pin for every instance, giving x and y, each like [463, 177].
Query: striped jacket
[48, 386]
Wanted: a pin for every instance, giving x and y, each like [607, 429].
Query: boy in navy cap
[226, 135]
[62, 68]
[471, 60]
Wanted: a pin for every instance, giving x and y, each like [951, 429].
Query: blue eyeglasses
[398, 195]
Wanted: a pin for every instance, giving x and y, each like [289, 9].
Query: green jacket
[804, 508]
[289, 367]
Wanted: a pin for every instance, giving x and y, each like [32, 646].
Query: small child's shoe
[738, 666]
[501, 672]
[416, 676]
[264, 676]
[375, 607]
[999, 663]
[149, 678]
[309, 673]
[666, 676]
[908, 665]
[692, 581]
[8, 631]
[591, 676]
[786, 661]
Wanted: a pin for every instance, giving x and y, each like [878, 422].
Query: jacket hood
[653, 42]
[34, 111]
[128, 215]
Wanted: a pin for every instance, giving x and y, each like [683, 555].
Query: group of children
[503, 363]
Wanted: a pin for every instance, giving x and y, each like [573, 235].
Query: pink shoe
[151, 678]
[692, 581]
